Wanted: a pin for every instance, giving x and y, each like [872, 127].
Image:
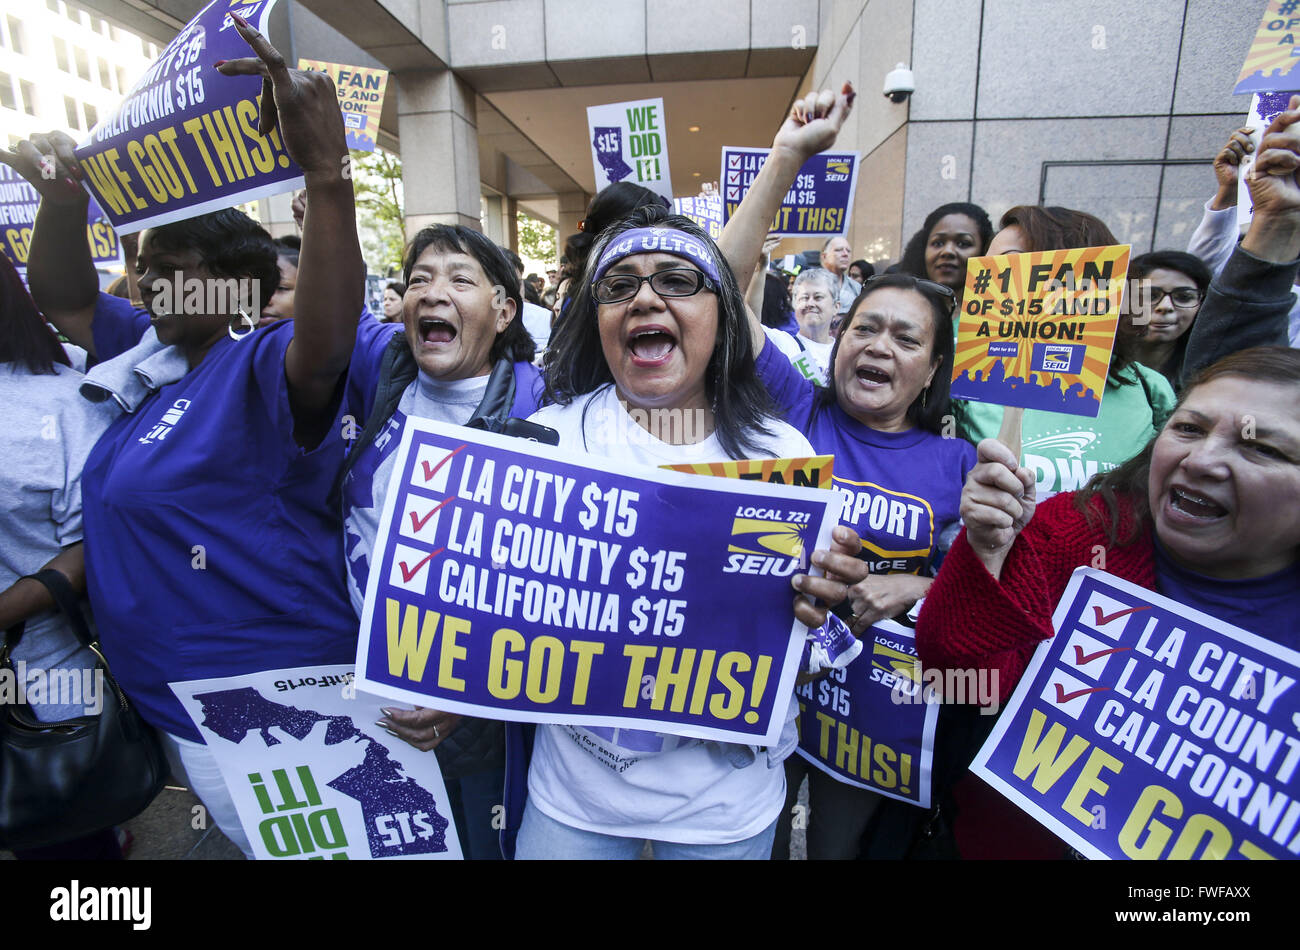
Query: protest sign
[312, 774]
[629, 142]
[1264, 108]
[820, 203]
[704, 210]
[871, 724]
[1144, 729]
[812, 472]
[1037, 329]
[361, 98]
[523, 582]
[18, 204]
[184, 140]
[1273, 63]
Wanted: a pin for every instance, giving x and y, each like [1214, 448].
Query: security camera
[900, 83]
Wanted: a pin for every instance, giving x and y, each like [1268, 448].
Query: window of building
[17, 42]
[61, 54]
[29, 96]
[83, 63]
[7, 100]
[121, 80]
[105, 74]
[92, 116]
[73, 113]
[53, 5]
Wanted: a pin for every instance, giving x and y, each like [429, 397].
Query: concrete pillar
[512, 225]
[276, 214]
[438, 127]
[572, 208]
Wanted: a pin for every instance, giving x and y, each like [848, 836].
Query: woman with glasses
[652, 366]
[881, 414]
[1063, 450]
[1164, 295]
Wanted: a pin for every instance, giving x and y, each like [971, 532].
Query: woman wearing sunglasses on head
[880, 415]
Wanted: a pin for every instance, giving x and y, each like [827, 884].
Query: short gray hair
[817, 275]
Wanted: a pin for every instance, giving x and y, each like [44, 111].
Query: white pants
[194, 764]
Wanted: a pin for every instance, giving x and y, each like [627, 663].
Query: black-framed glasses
[1181, 297]
[920, 283]
[674, 282]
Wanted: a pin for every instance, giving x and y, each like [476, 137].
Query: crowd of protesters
[844, 363]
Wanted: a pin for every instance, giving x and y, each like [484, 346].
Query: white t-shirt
[537, 321]
[807, 356]
[639, 784]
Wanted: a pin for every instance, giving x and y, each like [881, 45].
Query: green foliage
[377, 183]
[536, 240]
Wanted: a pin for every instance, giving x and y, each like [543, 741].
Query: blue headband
[657, 240]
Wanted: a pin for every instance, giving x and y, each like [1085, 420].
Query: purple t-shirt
[901, 490]
[1266, 606]
[211, 549]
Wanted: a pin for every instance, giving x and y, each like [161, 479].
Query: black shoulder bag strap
[396, 371]
[65, 598]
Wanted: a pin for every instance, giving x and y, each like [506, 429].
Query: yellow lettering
[406, 647]
[545, 658]
[728, 705]
[677, 680]
[194, 128]
[1041, 758]
[586, 649]
[638, 654]
[452, 627]
[135, 151]
[168, 137]
[1088, 781]
[505, 677]
[1141, 819]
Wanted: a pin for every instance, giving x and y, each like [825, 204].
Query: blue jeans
[543, 838]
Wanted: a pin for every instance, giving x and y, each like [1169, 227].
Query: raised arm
[60, 271]
[1249, 301]
[811, 127]
[331, 271]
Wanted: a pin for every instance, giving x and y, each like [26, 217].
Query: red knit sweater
[971, 621]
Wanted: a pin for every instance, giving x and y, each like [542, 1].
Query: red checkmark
[418, 523]
[1063, 697]
[1103, 619]
[430, 472]
[1081, 658]
[408, 574]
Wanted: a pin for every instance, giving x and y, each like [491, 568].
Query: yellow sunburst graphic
[773, 537]
[1066, 297]
[1272, 53]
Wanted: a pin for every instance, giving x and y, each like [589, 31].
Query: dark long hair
[611, 204]
[512, 343]
[913, 260]
[928, 409]
[24, 335]
[576, 363]
[229, 243]
[1265, 364]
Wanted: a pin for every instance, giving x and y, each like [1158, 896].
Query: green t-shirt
[1064, 450]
